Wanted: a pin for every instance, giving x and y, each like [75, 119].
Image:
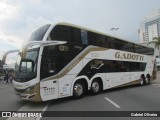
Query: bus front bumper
[32, 94]
[26, 96]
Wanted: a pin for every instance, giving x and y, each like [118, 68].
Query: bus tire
[95, 87]
[147, 80]
[142, 80]
[78, 90]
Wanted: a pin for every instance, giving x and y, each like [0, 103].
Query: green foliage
[156, 41]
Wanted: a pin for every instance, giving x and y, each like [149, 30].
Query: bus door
[49, 89]
[48, 72]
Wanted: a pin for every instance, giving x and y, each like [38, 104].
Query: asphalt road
[132, 98]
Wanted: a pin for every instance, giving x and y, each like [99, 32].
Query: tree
[156, 42]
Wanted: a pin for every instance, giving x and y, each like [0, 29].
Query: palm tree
[156, 42]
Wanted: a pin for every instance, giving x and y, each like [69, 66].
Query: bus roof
[92, 30]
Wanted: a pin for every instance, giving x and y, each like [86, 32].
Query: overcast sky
[18, 18]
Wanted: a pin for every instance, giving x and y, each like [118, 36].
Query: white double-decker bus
[63, 59]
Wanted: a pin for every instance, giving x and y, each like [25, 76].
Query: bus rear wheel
[78, 90]
[147, 80]
[142, 80]
[95, 87]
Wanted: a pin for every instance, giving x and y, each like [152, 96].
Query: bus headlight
[29, 88]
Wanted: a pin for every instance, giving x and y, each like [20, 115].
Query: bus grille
[19, 90]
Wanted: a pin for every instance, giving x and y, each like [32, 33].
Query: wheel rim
[95, 87]
[142, 81]
[78, 89]
[147, 80]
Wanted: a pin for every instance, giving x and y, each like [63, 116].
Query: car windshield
[25, 69]
[39, 33]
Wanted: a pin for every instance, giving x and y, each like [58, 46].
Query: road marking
[43, 110]
[113, 103]
[31, 107]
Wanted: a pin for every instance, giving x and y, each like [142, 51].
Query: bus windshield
[27, 67]
[39, 33]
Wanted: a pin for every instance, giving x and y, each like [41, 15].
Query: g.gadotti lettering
[128, 56]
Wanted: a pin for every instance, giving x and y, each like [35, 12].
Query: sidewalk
[157, 81]
[158, 72]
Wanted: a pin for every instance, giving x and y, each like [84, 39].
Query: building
[150, 27]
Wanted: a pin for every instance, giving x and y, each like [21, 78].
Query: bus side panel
[49, 89]
[127, 77]
[151, 68]
[119, 78]
[66, 81]
[65, 85]
[109, 80]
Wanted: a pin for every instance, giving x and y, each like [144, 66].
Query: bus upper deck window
[84, 37]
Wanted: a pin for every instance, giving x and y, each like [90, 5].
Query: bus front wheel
[142, 80]
[78, 90]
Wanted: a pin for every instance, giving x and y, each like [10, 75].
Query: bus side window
[110, 42]
[76, 35]
[107, 42]
[61, 33]
[101, 40]
[84, 37]
[48, 62]
[96, 39]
